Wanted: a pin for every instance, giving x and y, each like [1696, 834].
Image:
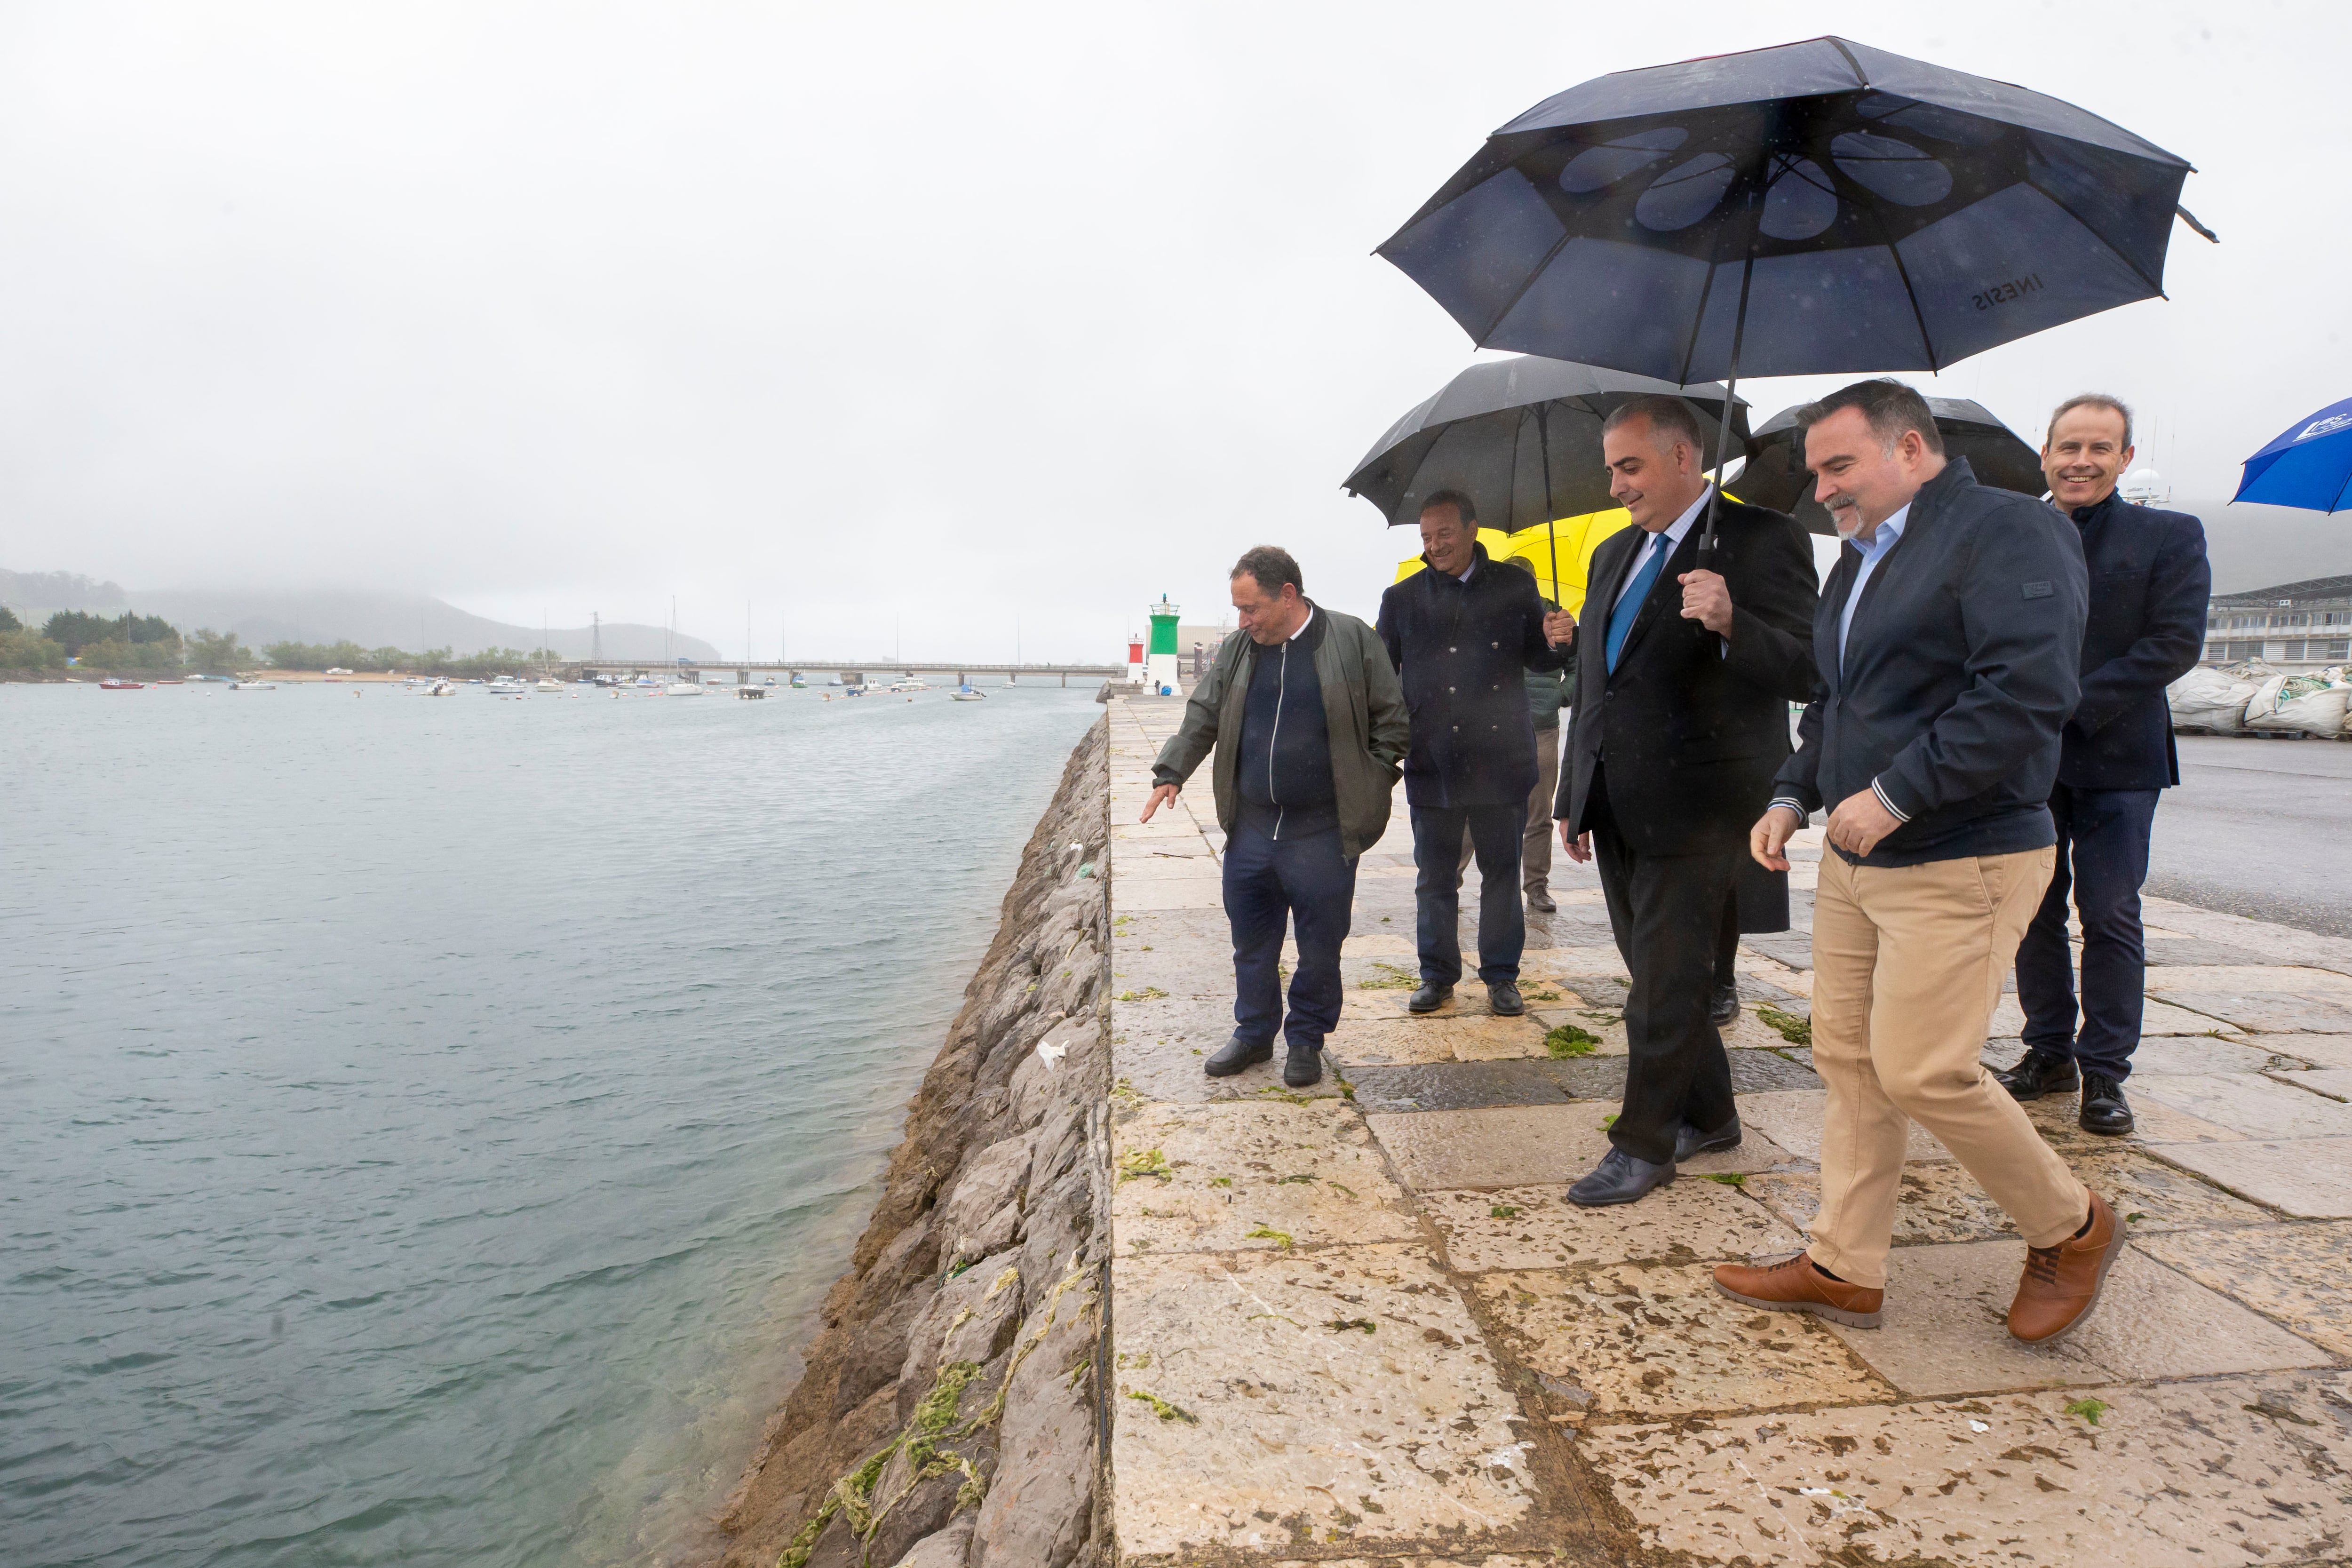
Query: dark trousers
[1307, 882]
[1493, 833]
[1667, 914]
[2102, 837]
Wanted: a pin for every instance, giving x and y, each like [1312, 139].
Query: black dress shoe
[1429, 998]
[1503, 999]
[2105, 1109]
[1303, 1067]
[1619, 1179]
[1690, 1140]
[1725, 1006]
[2039, 1073]
[1540, 899]
[1234, 1055]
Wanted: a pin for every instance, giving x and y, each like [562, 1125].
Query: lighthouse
[1159, 663]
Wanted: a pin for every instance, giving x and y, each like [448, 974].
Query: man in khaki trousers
[1948, 646]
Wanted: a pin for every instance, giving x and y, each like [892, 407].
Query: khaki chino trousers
[1907, 967]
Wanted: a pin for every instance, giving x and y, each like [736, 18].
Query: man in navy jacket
[2150, 581]
[1947, 648]
[1463, 633]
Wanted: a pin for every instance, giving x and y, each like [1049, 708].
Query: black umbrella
[1521, 438]
[1775, 477]
[1818, 207]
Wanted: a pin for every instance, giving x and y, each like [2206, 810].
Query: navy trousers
[1495, 832]
[1307, 883]
[2102, 837]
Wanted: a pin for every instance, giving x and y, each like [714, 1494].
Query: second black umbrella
[1775, 477]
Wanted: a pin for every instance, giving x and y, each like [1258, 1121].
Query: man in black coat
[2150, 581]
[1462, 634]
[1681, 717]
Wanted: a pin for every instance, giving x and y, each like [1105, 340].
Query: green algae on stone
[1568, 1040]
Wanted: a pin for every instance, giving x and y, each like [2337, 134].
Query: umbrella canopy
[1560, 550]
[1520, 437]
[1819, 207]
[1776, 476]
[2309, 465]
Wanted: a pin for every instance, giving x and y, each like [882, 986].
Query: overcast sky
[955, 315]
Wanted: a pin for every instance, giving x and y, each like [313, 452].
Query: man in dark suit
[2150, 581]
[1681, 716]
[1462, 634]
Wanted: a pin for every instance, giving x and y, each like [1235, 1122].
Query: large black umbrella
[1520, 437]
[1775, 475]
[1818, 207]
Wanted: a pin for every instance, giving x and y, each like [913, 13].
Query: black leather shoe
[1540, 899]
[1234, 1055]
[1619, 1179]
[1690, 1140]
[1503, 999]
[1429, 998]
[1725, 1006]
[2105, 1109]
[1303, 1067]
[2039, 1073]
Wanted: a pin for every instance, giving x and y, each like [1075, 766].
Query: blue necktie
[1620, 619]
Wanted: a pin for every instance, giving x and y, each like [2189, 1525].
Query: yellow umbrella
[1496, 541]
[1574, 539]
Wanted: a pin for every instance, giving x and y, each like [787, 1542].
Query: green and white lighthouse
[1159, 660]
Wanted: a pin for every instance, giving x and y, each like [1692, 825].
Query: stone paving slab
[1262, 1175]
[1255, 1411]
[2192, 1016]
[2296, 1275]
[1663, 1340]
[2334, 1082]
[1792, 1119]
[2263, 1013]
[1518, 1146]
[2319, 1050]
[1538, 1228]
[1383, 1042]
[1453, 1086]
[2307, 1178]
[2173, 1475]
[1942, 1330]
[1943, 1202]
[2256, 1107]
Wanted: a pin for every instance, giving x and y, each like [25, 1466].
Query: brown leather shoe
[1796, 1286]
[2062, 1283]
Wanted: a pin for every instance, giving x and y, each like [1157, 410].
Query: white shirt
[1303, 624]
[1674, 538]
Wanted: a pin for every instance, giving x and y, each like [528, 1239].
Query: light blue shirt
[1881, 542]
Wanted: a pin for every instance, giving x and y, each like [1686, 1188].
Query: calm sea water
[427, 1125]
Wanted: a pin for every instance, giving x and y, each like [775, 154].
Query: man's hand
[1860, 822]
[1769, 839]
[1706, 599]
[1559, 628]
[1159, 797]
[1578, 847]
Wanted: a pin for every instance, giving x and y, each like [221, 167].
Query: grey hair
[1670, 418]
[2088, 400]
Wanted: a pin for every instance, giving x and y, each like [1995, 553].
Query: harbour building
[2294, 626]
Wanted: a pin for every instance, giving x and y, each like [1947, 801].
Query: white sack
[2209, 701]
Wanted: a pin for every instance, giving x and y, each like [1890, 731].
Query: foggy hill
[413, 622]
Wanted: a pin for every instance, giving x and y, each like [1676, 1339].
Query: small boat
[800, 683]
[168, 680]
[750, 693]
[544, 684]
[115, 683]
[253, 685]
[682, 688]
[966, 694]
[506, 686]
[909, 683]
[441, 689]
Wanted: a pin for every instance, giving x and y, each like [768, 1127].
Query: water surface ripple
[424, 1124]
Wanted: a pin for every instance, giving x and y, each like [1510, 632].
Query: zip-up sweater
[1285, 776]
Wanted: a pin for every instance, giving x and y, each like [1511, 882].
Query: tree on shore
[349, 656]
[129, 640]
[217, 653]
[21, 649]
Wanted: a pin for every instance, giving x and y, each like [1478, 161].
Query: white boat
[966, 694]
[909, 683]
[506, 686]
[253, 685]
[750, 693]
[441, 689]
[544, 684]
[682, 688]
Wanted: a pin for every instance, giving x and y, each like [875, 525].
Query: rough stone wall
[949, 1414]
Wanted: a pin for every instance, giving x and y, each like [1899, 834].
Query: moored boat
[115, 683]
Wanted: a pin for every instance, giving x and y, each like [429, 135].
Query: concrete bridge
[851, 671]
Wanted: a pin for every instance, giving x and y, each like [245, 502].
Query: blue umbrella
[1814, 209]
[2309, 465]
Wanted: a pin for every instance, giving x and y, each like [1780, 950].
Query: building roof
[2310, 588]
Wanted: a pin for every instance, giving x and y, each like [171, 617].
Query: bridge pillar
[1066, 677]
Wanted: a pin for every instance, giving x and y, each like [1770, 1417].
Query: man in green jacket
[1307, 721]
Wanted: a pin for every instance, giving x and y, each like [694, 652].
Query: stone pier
[1362, 1324]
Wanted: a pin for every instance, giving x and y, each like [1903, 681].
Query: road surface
[2262, 828]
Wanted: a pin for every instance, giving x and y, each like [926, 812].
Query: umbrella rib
[1910, 295]
[1861, 77]
[1520, 292]
[2155, 285]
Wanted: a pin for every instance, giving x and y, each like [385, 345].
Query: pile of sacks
[2251, 694]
